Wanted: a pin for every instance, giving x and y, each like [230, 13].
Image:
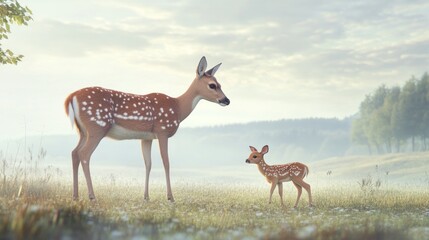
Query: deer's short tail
[69, 106]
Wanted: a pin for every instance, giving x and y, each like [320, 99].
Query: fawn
[277, 174]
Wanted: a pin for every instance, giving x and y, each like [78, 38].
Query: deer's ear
[202, 66]
[264, 149]
[212, 71]
[253, 149]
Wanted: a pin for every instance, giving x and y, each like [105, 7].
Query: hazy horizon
[218, 154]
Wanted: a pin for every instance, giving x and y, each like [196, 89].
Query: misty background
[217, 154]
[296, 72]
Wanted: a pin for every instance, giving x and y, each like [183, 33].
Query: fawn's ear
[264, 149]
[253, 149]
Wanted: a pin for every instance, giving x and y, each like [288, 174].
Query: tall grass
[212, 211]
[39, 206]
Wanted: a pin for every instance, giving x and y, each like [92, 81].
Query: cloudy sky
[281, 59]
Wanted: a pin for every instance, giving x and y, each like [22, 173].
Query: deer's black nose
[224, 101]
[247, 161]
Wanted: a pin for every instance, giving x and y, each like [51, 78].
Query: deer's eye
[212, 86]
[254, 156]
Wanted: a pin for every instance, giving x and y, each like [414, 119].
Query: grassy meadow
[36, 203]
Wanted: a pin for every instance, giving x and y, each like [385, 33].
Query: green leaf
[11, 12]
[9, 52]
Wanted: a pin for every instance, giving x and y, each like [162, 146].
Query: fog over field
[217, 154]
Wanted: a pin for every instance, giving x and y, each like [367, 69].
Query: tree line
[394, 119]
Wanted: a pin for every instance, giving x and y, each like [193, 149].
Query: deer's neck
[187, 102]
[263, 167]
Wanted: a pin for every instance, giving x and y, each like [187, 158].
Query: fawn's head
[207, 86]
[256, 157]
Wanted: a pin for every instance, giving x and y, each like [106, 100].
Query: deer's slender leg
[76, 162]
[273, 186]
[84, 155]
[280, 184]
[146, 149]
[306, 186]
[163, 145]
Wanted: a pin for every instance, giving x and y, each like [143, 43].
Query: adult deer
[98, 112]
[277, 174]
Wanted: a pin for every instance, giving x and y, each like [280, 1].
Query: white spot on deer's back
[101, 123]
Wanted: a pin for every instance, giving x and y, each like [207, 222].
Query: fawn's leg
[273, 186]
[299, 188]
[280, 184]
[306, 186]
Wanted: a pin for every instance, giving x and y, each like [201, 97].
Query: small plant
[368, 186]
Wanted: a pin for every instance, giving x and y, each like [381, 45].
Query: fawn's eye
[212, 86]
[254, 156]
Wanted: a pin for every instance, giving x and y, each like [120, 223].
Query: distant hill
[218, 153]
[402, 168]
[304, 140]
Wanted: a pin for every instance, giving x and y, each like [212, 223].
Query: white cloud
[301, 57]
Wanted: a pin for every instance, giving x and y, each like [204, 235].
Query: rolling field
[36, 203]
[41, 209]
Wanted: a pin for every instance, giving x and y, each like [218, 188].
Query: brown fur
[100, 112]
[277, 174]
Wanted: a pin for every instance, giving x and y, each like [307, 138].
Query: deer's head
[256, 157]
[208, 87]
